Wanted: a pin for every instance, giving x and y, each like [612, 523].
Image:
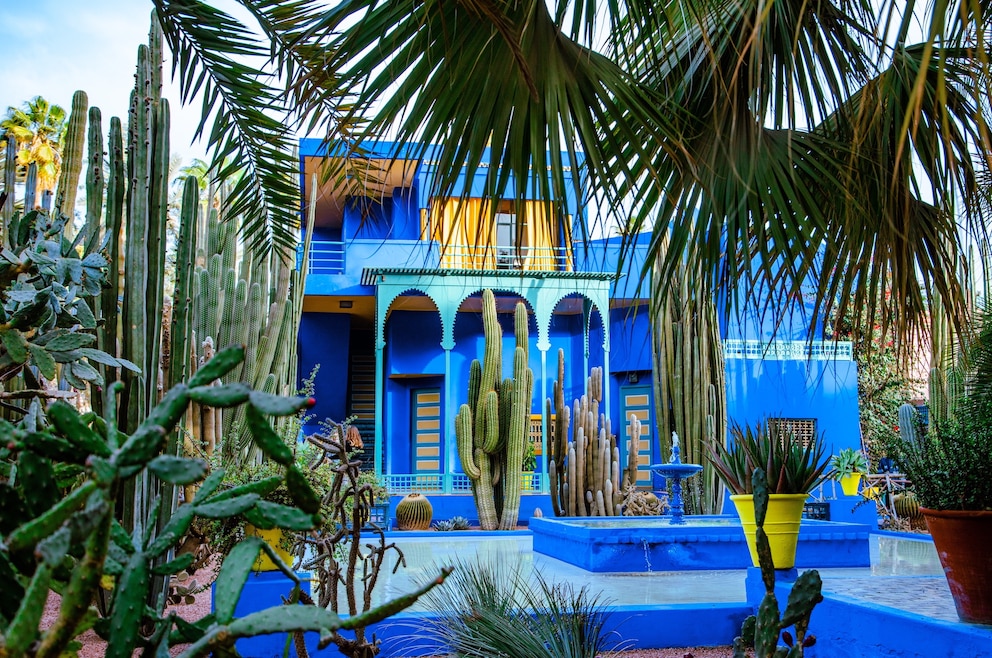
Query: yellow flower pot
[272, 538]
[849, 484]
[785, 512]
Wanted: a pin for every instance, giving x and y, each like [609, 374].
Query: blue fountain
[674, 472]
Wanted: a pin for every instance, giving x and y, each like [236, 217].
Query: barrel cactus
[907, 505]
[414, 512]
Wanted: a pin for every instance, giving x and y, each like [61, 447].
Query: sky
[52, 48]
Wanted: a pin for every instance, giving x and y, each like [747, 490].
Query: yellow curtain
[460, 228]
[539, 237]
[466, 232]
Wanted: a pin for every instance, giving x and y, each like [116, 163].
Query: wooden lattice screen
[804, 429]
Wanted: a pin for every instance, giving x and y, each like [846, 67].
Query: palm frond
[210, 50]
[464, 80]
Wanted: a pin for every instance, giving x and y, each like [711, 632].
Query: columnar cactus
[762, 631]
[690, 390]
[586, 479]
[492, 427]
[72, 159]
[908, 423]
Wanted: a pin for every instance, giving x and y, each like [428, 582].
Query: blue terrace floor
[900, 606]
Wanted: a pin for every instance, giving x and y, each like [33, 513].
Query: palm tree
[39, 128]
[768, 141]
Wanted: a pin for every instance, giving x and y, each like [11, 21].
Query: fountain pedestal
[675, 471]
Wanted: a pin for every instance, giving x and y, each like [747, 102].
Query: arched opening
[413, 407]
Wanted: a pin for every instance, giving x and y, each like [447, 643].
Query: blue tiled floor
[905, 574]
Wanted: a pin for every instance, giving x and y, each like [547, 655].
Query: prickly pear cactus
[762, 631]
[70, 543]
[492, 427]
[46, 292]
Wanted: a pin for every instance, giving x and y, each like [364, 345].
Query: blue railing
[328, 257]
[452, 483]
[488, 257]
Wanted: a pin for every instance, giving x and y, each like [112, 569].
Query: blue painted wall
[395, 217]
[324, 340]
[825, 390]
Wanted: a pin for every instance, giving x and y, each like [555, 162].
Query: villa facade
[392, 316]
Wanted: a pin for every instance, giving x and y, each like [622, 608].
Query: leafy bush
[950, 467]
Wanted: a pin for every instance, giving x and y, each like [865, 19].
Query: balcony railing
[453, 483]
[543, 259]
[788, 350]
[328, 257]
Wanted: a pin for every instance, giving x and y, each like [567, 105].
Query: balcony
[331, 258]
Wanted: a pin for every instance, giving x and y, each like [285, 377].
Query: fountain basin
[676, 470]
[641, 544]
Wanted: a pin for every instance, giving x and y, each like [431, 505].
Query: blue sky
[54, 47]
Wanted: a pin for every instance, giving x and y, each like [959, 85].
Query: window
[507, 256]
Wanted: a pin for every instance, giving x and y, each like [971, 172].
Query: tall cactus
[690, 388]
[72, 160]
[586, 478]
[258, 306]
[491, 428]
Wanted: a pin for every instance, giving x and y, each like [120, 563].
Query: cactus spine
[586, 479]
[762, 630]
[491, 428]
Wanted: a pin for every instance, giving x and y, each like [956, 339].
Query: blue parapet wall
[627, 544]
[849, 628]
[656, 626]
[447, 506]
[264, 589]
[826, 390]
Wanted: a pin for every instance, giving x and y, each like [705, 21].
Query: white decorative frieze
[788, 350]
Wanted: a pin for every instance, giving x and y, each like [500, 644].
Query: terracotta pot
[849, 484]
[962, 540]
[785, 513]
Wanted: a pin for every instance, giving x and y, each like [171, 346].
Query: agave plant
[495, 611]
[792, 467]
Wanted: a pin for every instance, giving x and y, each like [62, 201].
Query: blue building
[392, 316]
